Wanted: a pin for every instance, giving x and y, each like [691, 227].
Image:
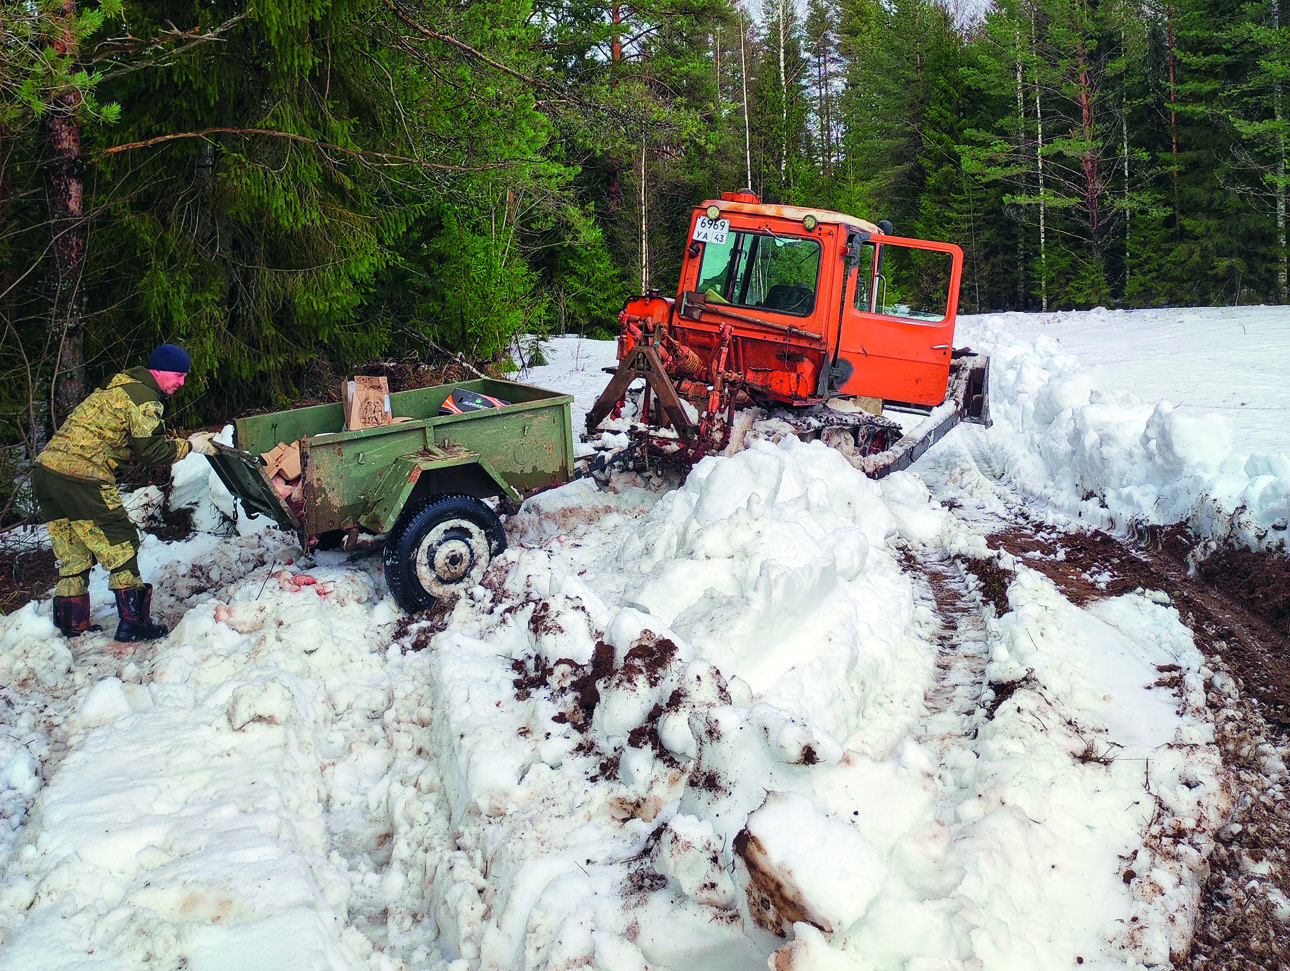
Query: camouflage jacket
[116, 424]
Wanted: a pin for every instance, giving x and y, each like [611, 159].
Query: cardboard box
[283, 459]
[367, 403]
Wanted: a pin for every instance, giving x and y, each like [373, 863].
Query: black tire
[439, 548]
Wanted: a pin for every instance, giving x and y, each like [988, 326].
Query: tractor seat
[789, 298]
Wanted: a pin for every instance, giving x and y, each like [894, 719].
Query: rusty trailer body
[420, 483]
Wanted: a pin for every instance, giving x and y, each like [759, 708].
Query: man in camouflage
[74, 481]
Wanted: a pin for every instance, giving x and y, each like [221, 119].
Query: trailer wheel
[440, 548]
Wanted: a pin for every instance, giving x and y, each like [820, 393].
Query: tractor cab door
[896, 329]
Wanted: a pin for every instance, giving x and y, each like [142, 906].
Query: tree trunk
[783, 97]
[1091, 162]
[1022, 300]
[743, 70]
[822, 88]
[716, 65]
[1128, 209]
[1173, 117]
[616, 43]
[66, 200]
[1043, 205]
[1283, 271]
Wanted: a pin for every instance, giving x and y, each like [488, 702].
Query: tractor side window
[864, 298]
[777, 273]
[899, 281]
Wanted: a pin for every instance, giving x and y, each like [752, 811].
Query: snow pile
[662, 796]
[1073, 432]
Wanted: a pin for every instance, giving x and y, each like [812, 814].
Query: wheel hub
[452, 560]
[452, 556]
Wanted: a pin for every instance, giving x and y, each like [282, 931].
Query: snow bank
[1076, 432]
[667, 774]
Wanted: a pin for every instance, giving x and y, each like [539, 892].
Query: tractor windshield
[763, 271]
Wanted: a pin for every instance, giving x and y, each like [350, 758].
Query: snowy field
[719, 726]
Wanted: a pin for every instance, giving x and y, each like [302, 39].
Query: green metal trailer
[420, 483]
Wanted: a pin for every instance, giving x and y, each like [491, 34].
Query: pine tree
[1259, 113]
[825, 81]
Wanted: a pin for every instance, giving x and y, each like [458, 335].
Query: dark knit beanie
[168, 357]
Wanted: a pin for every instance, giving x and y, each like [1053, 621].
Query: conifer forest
[293, 188]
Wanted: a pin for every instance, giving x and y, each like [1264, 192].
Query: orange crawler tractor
[820, 320]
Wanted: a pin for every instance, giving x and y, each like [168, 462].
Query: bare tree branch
[370, 158]
[193, 37]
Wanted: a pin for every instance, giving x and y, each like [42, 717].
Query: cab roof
[795, 213]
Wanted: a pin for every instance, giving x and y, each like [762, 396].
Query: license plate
[711, 230]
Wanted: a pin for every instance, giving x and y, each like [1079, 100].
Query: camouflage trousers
[87, 524]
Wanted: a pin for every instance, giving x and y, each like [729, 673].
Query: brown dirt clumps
[1260, 581]
[994, 580]
[1238, 928]
[176, 524]
[25, 575]
[1085, 566]
[1003, 690]
[773, 904]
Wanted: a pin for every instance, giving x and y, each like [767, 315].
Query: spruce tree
[1224, 233]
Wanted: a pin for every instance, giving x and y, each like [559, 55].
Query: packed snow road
[776, 712]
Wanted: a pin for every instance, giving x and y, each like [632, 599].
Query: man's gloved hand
[201, 443]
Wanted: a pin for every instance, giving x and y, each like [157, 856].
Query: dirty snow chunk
[674, 732]
[918, 518]
[618, 954]
[688, 854]
[480, 761]
[268, 702]
[106, 701]
[809, 950]
[31, 646]
[21, 774]
[549, 516]
[803, 865]
[794, 740]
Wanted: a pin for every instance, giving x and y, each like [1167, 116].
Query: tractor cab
[848, 307]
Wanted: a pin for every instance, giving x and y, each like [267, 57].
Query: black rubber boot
[134, 605]
[72, 615]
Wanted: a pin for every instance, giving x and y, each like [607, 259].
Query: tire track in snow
[959, 691]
